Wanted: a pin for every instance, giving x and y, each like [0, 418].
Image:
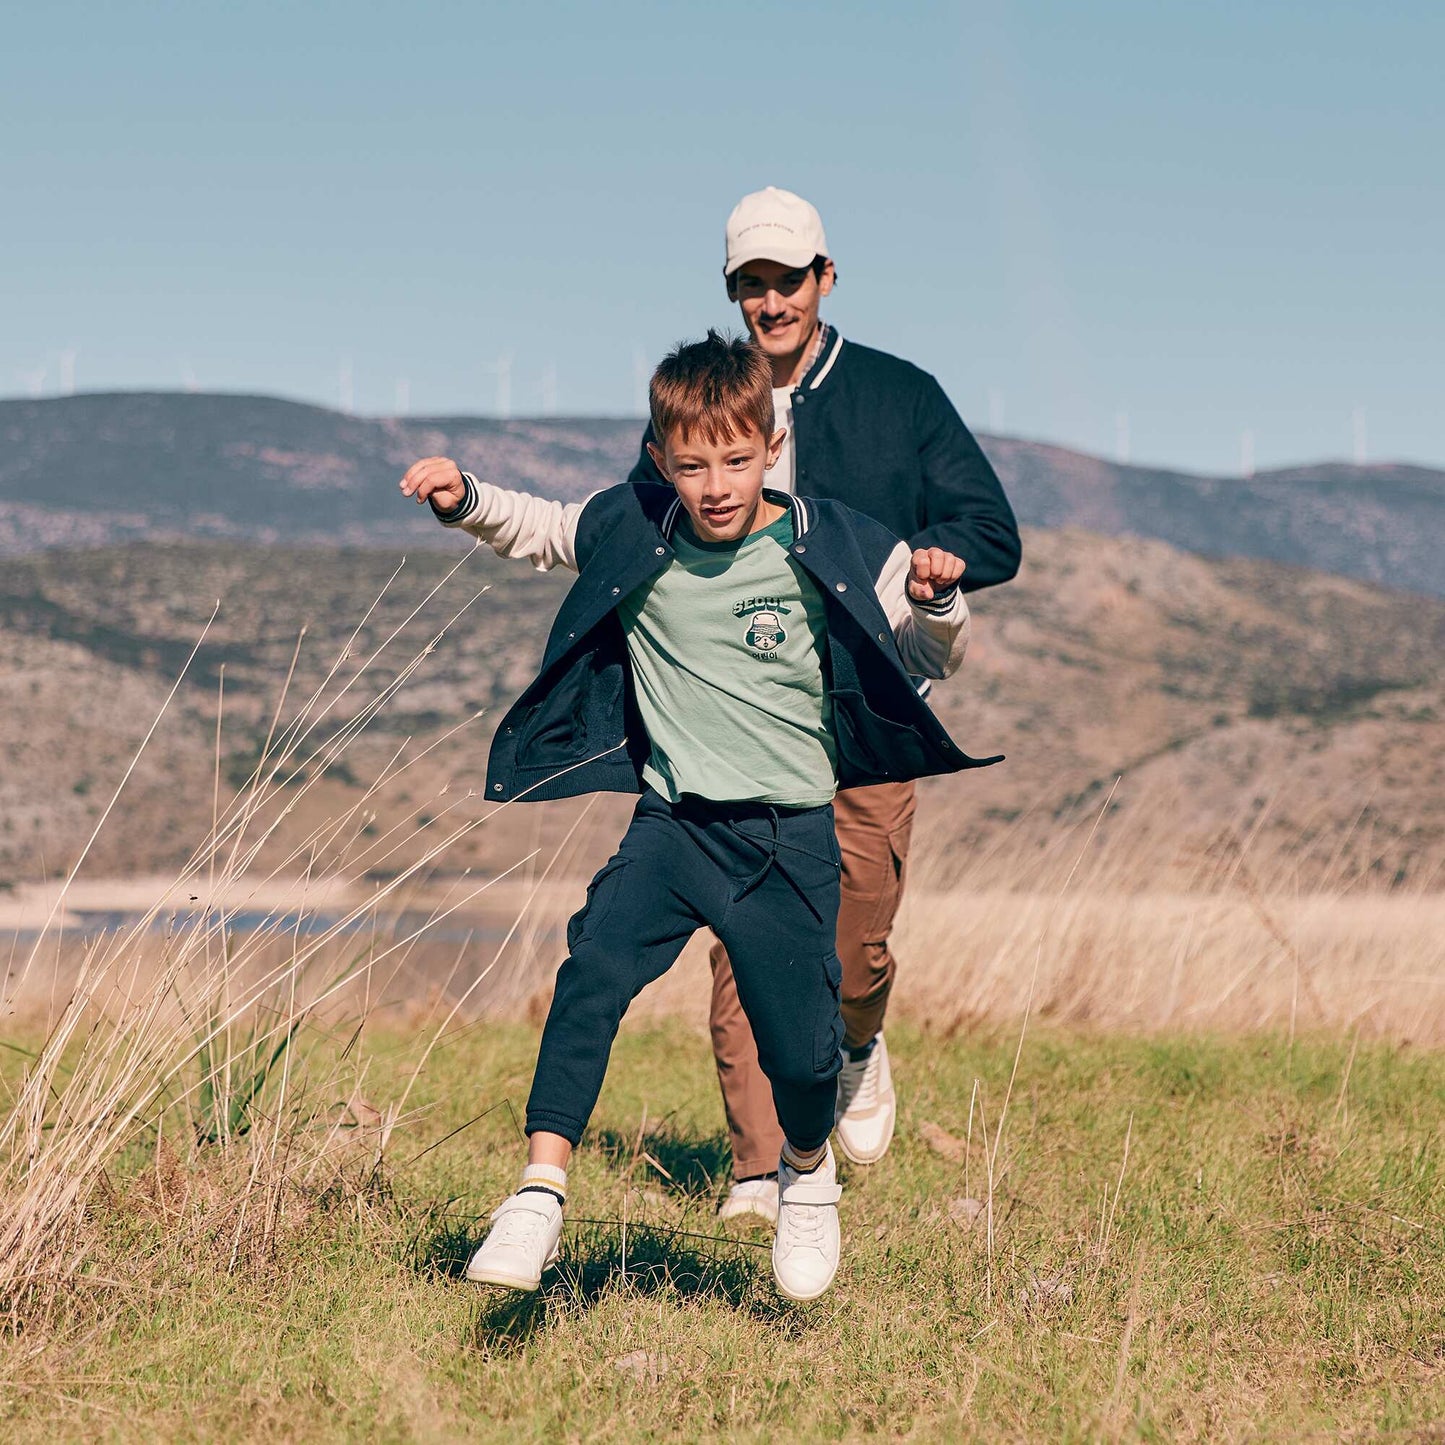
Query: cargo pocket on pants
[828, 1026]
[883, 890]
[601, 893]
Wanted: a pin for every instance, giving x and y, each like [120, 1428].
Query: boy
[733, 655]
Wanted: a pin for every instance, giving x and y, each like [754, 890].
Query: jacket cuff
[940, 604]
[456, 516]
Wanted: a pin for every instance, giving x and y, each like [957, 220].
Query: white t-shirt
[780, 478]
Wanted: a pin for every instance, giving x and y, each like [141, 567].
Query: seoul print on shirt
[763, 621]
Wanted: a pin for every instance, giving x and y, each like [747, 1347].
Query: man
[878, 434]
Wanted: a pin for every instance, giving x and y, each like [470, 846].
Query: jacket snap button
[800, 548]
[571, 637]
[509, 730]
[496, 787]
[616, 591]
[799, 398]
[882, 637]
[841, 586]
[661, 551]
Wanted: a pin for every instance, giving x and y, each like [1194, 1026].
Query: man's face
[780, 303]
[720, 483]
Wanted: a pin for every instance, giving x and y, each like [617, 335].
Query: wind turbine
[503, 370]
[640, 379]
[67, 371]
[34, 381]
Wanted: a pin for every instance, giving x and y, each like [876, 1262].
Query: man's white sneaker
[867, 1106]
[805, 1249]
[758, 1197]
[524, 1239]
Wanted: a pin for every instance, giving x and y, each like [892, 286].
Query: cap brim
[783, 255]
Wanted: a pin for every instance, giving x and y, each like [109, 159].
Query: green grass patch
[1191, 1239]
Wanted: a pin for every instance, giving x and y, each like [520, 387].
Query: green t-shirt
[727, 651]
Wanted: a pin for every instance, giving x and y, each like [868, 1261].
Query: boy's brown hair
[720, 387]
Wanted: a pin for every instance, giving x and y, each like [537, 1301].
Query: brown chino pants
[874, 828]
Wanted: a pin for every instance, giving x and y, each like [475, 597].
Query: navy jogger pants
[765, 879]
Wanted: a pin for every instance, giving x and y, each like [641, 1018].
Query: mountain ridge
[216, 465]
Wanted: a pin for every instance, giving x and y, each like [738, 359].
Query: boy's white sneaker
[867, 1106]
[524, 1240]
[807, 1244]
[757, 1197]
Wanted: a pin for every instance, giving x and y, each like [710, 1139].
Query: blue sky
[1138, 227]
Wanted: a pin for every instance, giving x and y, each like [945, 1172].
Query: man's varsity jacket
[878, 434]
[576, 728]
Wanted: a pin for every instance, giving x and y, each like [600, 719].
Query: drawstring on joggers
[770, 859]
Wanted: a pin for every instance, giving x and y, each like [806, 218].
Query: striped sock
[804, 1161]
[544, 1179]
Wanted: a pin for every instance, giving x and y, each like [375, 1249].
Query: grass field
[1190, 1238]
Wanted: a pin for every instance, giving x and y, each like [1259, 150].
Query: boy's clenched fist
[933, 571]
[437, 480]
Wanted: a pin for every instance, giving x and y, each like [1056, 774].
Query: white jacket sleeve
[931, 636]
[517, 524]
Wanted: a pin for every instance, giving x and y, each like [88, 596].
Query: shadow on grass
[683, 1166]
[599, 1262]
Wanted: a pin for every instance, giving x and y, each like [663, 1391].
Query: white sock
[545, 1177]
[804, 1161]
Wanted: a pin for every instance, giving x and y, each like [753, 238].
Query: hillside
[1238, 699]
[98, 469]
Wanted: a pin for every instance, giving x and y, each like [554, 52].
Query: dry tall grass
[246, 1044]
[1149, 928]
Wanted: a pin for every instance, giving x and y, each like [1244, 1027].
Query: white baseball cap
[774, 225]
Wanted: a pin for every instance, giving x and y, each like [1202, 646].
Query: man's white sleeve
[517, 524]
[931, 636]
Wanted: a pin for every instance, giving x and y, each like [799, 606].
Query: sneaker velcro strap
[537, 1203]
[812, 1192]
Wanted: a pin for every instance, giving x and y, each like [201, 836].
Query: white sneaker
[805, 1249]
[758, 1197]
[523, 1241]
[867, 1106]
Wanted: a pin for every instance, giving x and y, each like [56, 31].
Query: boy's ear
[659, 458]
[775, 448]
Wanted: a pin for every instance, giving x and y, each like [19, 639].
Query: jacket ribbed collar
[824, 361]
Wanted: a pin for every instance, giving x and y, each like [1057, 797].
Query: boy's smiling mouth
[719, 516]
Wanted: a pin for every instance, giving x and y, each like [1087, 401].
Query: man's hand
[933, 570]
[437, 480]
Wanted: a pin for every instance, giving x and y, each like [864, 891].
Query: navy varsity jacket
[576, 729]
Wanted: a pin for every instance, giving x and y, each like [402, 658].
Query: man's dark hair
[817, 266]
[720, 387]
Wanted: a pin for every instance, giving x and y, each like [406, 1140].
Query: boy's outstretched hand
[435, 479]
[933, 570]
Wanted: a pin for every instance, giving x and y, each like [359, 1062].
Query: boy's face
[779, 303]
[720, 483]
